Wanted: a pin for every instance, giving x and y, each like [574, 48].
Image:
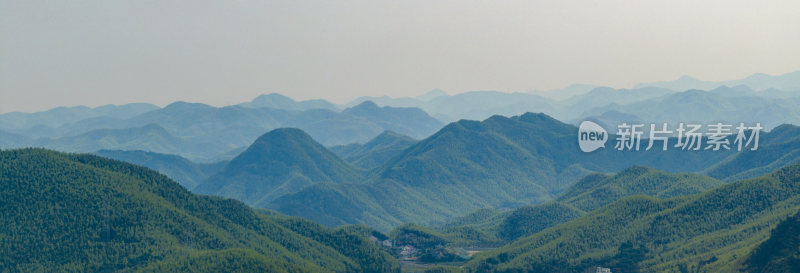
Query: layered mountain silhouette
[221, 130]
[474, 105]
[719, 105]
[570, 108]
[150, 137]
[758, 81]
[771, 100]
[43, 124]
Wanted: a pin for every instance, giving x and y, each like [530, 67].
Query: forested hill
[714, 231]
[779, 253]
[83, 213]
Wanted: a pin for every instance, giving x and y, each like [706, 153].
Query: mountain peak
[280, 101]
[601, 90]
[758, 76]
[366, 105]
[543, 119]
[272, 100]
[389, 134]
[389, 137]
[281, 161]
[434, 93]
[284, 134]
[529, 116]
[185, 105]
[271, 96]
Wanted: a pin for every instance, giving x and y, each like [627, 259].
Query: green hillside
[780, 147]
[83, 213]
[779, 253]
[588, 194]
[481, 218]
[712, 231]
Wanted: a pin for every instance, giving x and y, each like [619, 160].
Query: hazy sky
[224, 52]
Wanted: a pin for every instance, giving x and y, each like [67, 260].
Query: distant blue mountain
[150, 137]
[189, 174]
[473, 105]
[27, 123]
[723, 104]
[759, 81]
[572, 107]
[278, 101]
[567, 92]
[434, 93]
[215, 131]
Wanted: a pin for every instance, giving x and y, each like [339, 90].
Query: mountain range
[638, 219]
[208, 134]
[468, 165]
[577, 101]
[320, 187]
[771, 100]
[499, 163]
[724, 104]
[44, 124]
